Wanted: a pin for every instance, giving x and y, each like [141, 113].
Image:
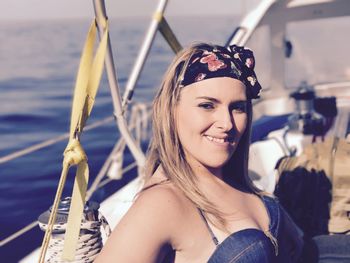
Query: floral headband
[216, 61]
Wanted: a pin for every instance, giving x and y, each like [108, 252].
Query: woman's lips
[219, 141]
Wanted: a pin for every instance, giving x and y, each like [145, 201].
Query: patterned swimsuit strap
[213, 237]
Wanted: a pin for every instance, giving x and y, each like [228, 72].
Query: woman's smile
[226, 141]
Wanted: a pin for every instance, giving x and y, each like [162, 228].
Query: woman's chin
[216, 164]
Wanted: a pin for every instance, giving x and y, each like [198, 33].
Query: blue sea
[38, 65]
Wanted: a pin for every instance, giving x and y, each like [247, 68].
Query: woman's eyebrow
[218, 101]
[209, 98]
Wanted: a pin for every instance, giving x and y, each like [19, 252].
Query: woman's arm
[144, 230]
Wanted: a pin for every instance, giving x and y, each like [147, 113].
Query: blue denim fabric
[253, 245]
[249, 245]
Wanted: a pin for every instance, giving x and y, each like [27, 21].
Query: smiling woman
[198, 204]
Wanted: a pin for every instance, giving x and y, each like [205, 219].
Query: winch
[90, 239]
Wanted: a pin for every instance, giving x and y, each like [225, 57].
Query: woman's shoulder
[159, 199]
[148, 225]
[158, 189]
[160, 195]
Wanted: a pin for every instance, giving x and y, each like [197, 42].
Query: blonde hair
[166, 150]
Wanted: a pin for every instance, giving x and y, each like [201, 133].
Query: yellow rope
[88, 79]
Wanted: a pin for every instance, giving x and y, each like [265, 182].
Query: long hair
[166, 150]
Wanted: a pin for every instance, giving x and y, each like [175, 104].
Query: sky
[63, 9]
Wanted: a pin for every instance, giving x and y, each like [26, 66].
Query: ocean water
[38, 65]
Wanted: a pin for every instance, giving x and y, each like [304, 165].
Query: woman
[198, 204]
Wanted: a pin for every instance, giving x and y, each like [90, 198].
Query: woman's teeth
[213, 139]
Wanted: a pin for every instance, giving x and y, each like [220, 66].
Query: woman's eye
[206, 106]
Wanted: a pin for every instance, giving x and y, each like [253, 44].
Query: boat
[302, 55]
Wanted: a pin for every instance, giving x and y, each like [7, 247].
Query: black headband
[209, 61]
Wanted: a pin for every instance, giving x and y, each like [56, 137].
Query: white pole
[141, 58]
[100, 13]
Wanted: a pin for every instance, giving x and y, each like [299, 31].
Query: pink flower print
[249, 62]
[213, 62]
[200, 76]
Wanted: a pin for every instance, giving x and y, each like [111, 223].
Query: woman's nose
[225, 121]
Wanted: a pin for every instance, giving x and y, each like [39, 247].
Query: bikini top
[249, 245]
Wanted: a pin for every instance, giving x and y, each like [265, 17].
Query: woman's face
[211, 118]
